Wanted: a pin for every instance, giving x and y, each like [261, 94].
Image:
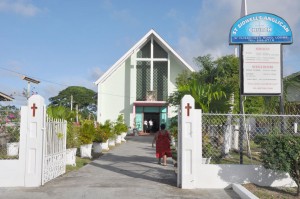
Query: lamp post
[29, 80]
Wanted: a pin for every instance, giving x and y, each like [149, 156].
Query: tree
[212, 86]
[61, 112]
[86, 99]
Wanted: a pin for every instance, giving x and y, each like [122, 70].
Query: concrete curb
[243, 192]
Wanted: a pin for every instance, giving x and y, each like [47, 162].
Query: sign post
[260, 36]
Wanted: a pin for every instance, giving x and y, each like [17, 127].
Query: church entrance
[152, 118]
[157, 114]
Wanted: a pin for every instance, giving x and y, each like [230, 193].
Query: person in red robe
[162, 141]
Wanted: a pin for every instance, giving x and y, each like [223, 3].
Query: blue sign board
[260, 28]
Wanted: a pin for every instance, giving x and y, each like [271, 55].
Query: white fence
[54, 153]
[38, 161]
[192, 173]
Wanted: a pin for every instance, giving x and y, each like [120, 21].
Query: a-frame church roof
[140, 43]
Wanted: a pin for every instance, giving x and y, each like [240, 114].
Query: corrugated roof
[4, 97]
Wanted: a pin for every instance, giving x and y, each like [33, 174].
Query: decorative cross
[188, 107]
[33, 109]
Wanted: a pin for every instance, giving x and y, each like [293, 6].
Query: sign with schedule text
[262, 69]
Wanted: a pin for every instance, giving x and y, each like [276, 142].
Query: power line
[44, 80]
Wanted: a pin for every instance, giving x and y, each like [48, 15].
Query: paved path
[129, 170]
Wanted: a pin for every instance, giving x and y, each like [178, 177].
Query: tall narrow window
[142, 80]
[160, 79]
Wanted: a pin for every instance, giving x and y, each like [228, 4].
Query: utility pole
[71, 102]
[28, 79]
[76, 113]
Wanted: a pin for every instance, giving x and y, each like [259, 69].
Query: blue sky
[72, 42]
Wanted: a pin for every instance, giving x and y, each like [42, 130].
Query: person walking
[162, 141]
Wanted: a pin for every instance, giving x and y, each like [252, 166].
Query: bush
[207, 147]
[281, 153]
[87, 132]
[174, 127]
[104, 131]
[13, 133]
[72, 135]
[119, 126]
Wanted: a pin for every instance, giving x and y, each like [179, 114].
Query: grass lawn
[272, 192]
[80, 162]
[234, 158]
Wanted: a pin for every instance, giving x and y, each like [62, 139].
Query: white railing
[54, 151]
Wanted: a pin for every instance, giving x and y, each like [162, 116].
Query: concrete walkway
[129, 170]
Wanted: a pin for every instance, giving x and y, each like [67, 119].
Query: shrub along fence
[228, 138]
[221, 138]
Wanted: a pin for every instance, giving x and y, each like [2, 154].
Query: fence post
[189, 144]
[34, 139]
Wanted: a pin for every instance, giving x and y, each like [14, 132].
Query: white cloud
[95, 73]
[21, 7]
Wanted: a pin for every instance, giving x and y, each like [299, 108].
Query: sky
[72, 42]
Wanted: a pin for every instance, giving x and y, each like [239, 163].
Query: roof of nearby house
[292, 86]
[137, 46]
[4, 97]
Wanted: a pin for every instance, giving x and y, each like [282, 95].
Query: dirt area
[272, 192]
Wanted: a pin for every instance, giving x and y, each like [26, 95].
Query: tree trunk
[298, 190]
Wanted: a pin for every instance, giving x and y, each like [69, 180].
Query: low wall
[222, 176]
[11, 173]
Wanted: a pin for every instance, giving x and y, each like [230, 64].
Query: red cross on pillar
[33, 109]
[188, 107]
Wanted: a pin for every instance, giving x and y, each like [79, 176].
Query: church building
[139, 83]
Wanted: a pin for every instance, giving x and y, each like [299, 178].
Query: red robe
[163, 145]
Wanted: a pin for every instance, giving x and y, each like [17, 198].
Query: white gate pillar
[189, 144]
[34, 140]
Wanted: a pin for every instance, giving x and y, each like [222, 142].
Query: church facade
[139, 83]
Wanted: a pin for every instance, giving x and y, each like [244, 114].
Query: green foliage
[212, 86]
[13, 133]
[119, 126]
[72, 135]
[207, 147]
[87, 132]
[61, 112]
[174, 127]
[281, 153]
[103, 131]
[86, 100]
